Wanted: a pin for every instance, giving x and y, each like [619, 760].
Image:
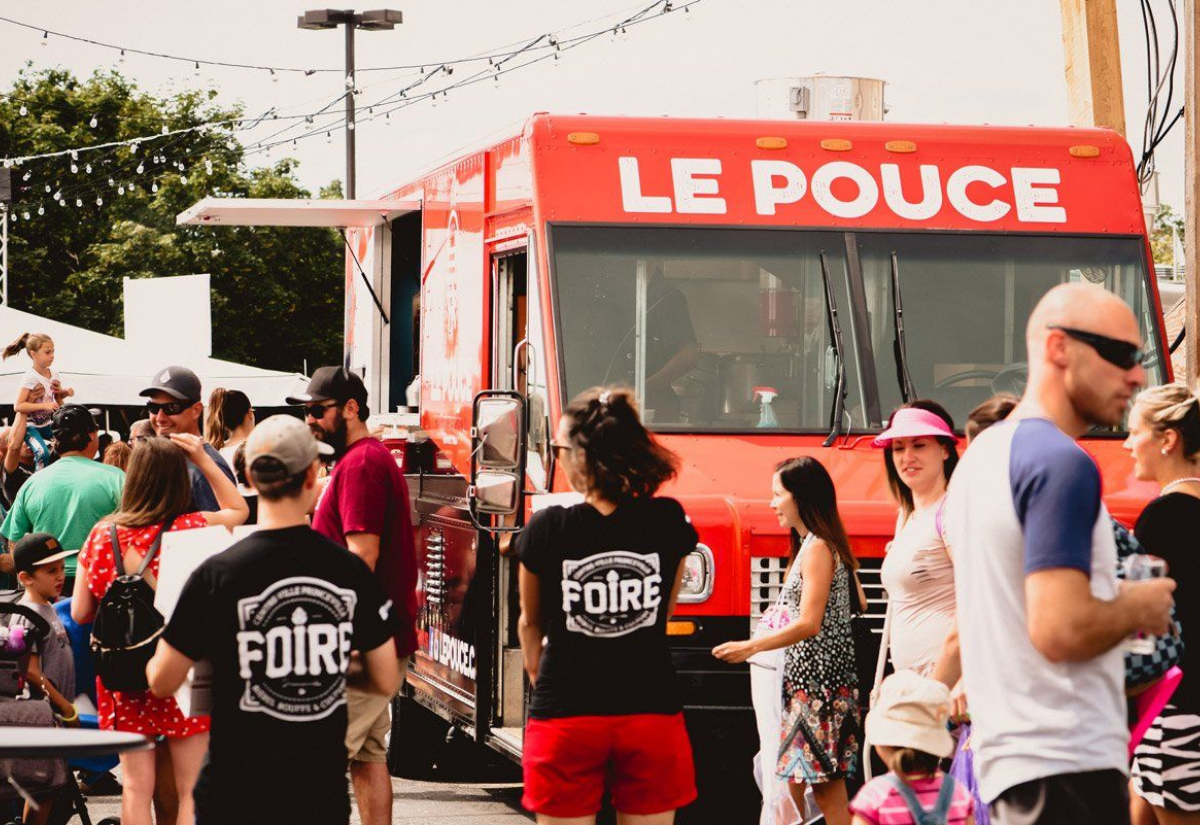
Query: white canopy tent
[105, 370]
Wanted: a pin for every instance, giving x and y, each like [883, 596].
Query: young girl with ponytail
[230, 421]
[40, 393]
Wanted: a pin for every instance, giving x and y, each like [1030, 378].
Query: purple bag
[963, 771]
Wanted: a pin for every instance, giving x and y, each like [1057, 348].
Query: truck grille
[768, 572]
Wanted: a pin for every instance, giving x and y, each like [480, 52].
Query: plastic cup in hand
[1141, 567]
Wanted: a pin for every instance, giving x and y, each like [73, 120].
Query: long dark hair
[809, 484]
[622, 460]
[900, 490]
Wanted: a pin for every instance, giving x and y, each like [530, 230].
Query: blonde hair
[31, 342]
[1174, 407]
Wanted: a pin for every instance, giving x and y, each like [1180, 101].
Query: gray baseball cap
[286, 439]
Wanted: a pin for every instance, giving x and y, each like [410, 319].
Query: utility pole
[379, 20]
[1191, 194]
[1093, 64]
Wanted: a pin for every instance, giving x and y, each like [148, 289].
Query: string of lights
[120, 180]
[197, 62]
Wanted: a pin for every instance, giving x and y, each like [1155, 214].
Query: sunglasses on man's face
[170, 408]
[319, 411]
[1119, 353]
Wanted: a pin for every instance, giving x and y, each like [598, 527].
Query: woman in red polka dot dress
[157, 491]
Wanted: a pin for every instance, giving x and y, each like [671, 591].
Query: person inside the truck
[599, 581]
[671, 347]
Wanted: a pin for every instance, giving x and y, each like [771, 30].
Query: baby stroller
[21, 779]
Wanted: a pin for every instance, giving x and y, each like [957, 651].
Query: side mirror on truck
[498, 436]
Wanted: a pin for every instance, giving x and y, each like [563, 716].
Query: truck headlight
[698, 574]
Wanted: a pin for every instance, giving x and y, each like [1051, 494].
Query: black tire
[418, 739]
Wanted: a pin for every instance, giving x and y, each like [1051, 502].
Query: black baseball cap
[37, 549]
[73, 419]
[178, 382]
[332, 384]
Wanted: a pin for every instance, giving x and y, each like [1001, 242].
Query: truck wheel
[417, 741]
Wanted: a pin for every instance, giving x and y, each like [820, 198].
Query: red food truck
[768, 288]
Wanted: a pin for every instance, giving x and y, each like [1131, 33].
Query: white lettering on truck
[696, 185]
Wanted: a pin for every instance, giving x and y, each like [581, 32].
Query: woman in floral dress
[821, 731]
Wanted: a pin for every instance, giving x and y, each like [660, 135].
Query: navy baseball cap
[178, 382]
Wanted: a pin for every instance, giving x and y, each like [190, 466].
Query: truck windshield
[717, 329]
[967, 298]
[727, 330]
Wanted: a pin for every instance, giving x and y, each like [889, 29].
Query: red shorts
[645, 758]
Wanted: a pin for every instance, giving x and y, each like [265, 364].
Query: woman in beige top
[920, 453]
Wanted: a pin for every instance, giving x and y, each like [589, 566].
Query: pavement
[435, 803]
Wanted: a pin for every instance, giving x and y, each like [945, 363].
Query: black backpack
[127, 624]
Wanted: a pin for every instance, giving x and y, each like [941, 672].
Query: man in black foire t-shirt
[287, 618]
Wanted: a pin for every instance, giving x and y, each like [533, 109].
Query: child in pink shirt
[907, 726]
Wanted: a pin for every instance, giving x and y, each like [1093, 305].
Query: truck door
[518, 364]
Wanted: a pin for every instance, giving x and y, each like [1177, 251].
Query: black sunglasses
[1116, 352]
[170, 408]
[319, 411]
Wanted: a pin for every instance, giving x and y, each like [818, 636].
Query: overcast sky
[959, 61]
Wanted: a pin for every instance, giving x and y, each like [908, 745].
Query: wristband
[74, 717]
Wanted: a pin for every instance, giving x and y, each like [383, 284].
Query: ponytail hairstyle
[227, 409]
[31, 342]
[620, 459]
[1174, 407]
[905, 762]
[900, 490]
[809, 484]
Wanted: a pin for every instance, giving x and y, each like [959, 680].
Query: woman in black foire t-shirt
[598, 583]
[1164, 439]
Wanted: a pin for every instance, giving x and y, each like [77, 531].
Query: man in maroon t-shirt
[365, 509]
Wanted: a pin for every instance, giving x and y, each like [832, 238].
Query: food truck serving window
[730, 330]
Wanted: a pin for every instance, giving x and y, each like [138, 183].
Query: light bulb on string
[78, 202]
[93, 123]
[74, 168]
[41, 210]
[197, 72]
[208, 167]
[121, 189]
[329, 137]
[47, 189]
[183, 179]
[24, 110]
[24, 216]
[141, 167]
[88, 169]
[111, 183]
[26, 176]
[387, 119]
[121, 59]
[274, 77]
[349, 81]
[351, 125]
[99, 201]
[154, 187]
[308, 123]
[45, 39]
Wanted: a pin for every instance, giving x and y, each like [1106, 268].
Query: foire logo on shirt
[611, 594]
[294, 648]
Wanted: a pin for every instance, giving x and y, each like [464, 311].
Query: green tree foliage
[1161, 238]
[276, 292]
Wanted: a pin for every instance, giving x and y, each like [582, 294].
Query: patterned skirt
[821, 734]
[1166, 765]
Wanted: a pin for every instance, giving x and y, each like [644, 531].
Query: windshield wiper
[835, 337]
[901, 353]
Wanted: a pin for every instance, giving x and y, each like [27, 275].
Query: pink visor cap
[911, 422]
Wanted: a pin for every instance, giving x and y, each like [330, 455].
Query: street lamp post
[378, 20]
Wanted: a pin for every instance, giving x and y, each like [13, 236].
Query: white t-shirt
[1026, 498]
[34, 379]
[919, 578]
